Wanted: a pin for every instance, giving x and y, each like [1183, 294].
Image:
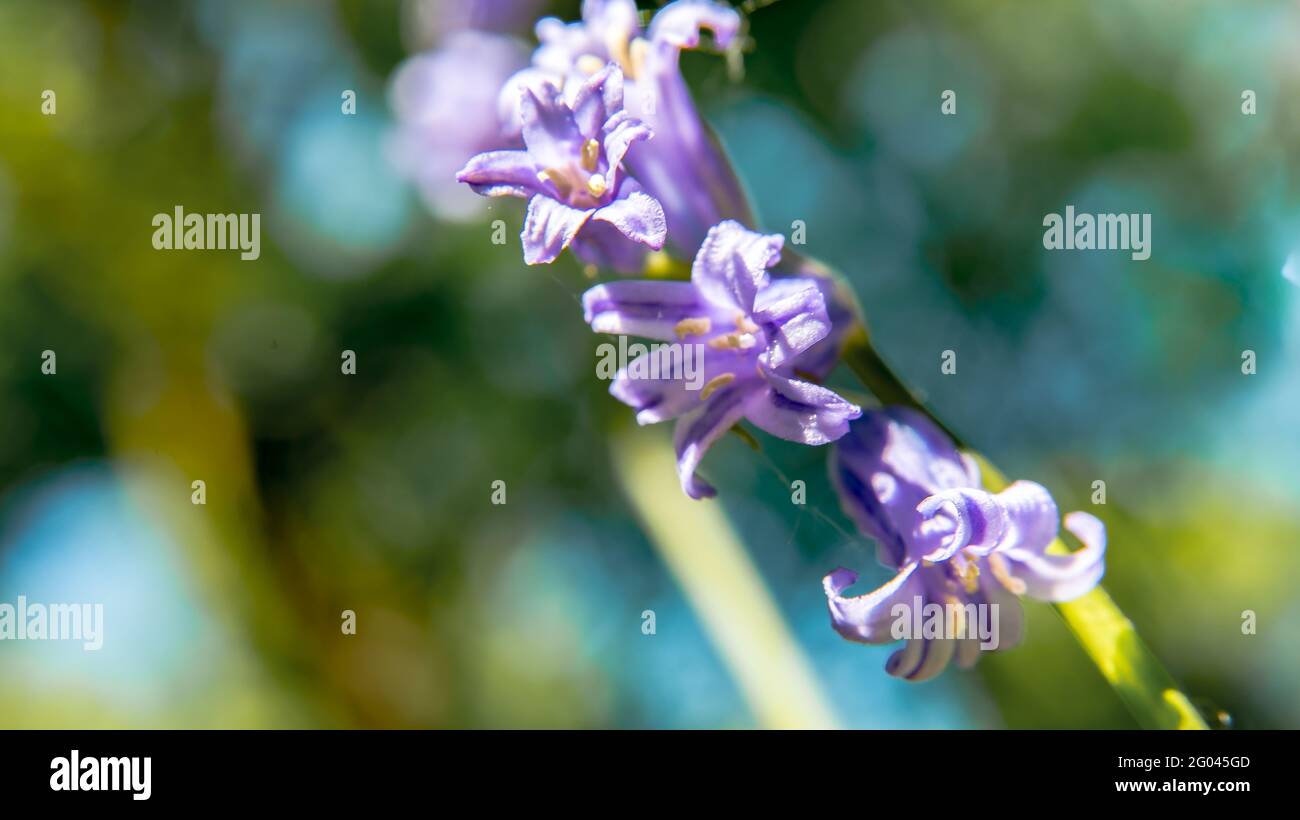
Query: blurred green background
[371, 492]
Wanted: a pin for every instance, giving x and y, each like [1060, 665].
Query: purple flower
[903, 483]
[571, 172]
[823, 357]
[429, 21]
[446, 108]
[683, 167]
[750, 332]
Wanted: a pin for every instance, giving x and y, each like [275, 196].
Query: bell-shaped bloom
[952, 543]
[683, 167]
[446, 110]
[571, 172]
[749, 333]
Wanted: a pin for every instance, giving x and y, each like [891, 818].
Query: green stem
[876, 376]
[1106, 634]
[723, 587]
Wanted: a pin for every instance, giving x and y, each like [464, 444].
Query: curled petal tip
[979, 521]
[697, 489]
[1063, 577]
[838, 580]
[929, 509]
[590, 299]
[679, 24]
[1088, 529]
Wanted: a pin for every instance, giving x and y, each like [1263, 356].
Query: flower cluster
[682, 167]
[599, 133]
[601, 136]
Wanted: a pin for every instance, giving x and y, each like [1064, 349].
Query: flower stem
[866, 364]
[723, 587]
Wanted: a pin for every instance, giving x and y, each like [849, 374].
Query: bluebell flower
[752, 331]
[445, 105]
[683, 167]
[571, 172]
[951, 542]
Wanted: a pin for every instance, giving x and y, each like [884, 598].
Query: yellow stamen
[695, 326]
[636, 57]
[1003, 573]
[733, 341]
[745, 325]
[590, 154]
[555, 178]
[596, 185]
[616, 41]
[716, 382]
[589, 64]
[970, 576]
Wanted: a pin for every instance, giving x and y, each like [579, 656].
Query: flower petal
[792, 314]
[871, 510]
[890, 461]
[978, 522]
[679, 24]
[664, 382]
[619, 132]
[650, 309]
[549, 227]
[611, 20]
[1011, 616]
[684, 167]
[800, 411]
[968, 652]
[922, 659]
[868, 618]
[1032, 515]
[697, 431]
[561, 44]
[548, 128]
[1022, 516]
[501, 173]
[444, 111]
[598, 99]
[1050, 577]
[731, 266]
[510, 97]
[823, 356]
[637, 217]
[602, 246]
